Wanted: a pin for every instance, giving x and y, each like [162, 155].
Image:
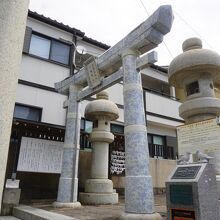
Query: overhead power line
[191, 27]
[144, 8]
[163, 40]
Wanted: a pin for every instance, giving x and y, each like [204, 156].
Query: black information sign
[179, 214]
[188, 172]
[181, 195]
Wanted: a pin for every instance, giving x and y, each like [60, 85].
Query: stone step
[27, 212]
[8, 218]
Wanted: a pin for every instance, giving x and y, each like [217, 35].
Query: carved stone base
[218, 185]
[98, 198]
[67, 205]
[131, 216]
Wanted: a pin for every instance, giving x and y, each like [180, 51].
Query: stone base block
[131, 216]
[67, 205]
[11, 196]
[30, 213]
[99, 186]
[218, 185]
[98, 198]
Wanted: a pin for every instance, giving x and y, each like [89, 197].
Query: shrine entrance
[123, 61]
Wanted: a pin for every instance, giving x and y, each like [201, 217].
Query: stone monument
[196, 70]
[99, 189]
[192, 193]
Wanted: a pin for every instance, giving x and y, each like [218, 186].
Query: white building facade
[49, 56]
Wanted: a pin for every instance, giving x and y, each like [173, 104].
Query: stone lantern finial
[102, 95]
[191, 44]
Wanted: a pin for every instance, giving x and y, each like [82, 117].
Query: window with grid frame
[50, 49]
[27, 112]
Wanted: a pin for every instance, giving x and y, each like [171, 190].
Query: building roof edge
[66, 28]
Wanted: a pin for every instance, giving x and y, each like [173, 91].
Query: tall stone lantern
[196, 70]
[99, 189]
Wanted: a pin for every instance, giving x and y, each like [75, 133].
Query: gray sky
[110, 20]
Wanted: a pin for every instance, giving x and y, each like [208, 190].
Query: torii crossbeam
[101, 73]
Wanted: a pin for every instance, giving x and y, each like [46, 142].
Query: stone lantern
[99, 189]
[196, 70]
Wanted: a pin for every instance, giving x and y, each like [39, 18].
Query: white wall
[42, 72]
[155, 74]
[162, 121]
[48, 30]
[90, 49]
[160, 129]
[51, 102]
[162, 105]
[116, 93]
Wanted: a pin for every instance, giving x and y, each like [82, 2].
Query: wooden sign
[180, 214]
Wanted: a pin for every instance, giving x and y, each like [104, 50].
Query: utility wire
[190, 26]
[193, 29]
[163, 40]
[168, 49]
[144, 8]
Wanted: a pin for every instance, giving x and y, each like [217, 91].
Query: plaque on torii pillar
[120, 62]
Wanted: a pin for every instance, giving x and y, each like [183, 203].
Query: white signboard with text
[117, 162]
[203, 135]
[39, 155]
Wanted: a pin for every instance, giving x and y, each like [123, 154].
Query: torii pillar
[100, 74]
[139, 198]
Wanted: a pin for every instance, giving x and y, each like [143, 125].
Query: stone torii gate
[101, 73]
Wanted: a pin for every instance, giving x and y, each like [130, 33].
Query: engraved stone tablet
[94, 78]
[188, 172]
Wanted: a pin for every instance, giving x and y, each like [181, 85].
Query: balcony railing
[161, 151]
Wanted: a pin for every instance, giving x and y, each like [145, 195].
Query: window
[192, 88]
[27, 112]
[85, 129]
[88, 126]
[40, 46]
[49, 49]
[60, 52]
[156, 139]
[117, 128]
